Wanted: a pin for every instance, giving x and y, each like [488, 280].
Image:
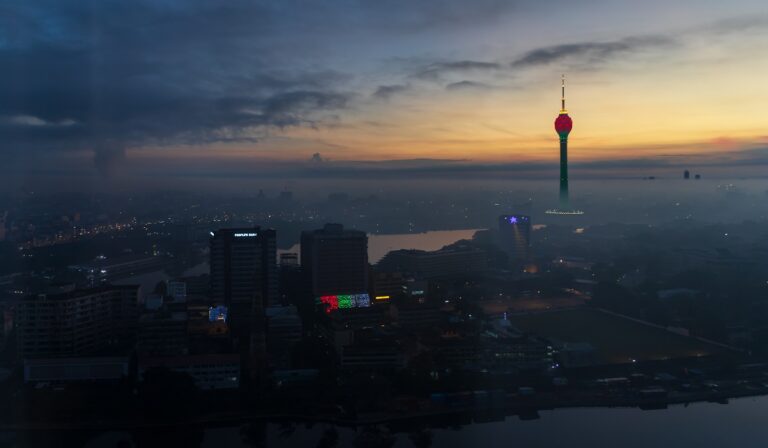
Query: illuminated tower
[515, 237]
[563, 126]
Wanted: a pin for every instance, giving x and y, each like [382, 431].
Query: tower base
[563, 212]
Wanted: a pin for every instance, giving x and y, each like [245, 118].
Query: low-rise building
[67, 370]
[209, 371]
[77, 323]
[162, 333]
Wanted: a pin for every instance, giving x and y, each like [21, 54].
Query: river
[380, 245]
[740, 423]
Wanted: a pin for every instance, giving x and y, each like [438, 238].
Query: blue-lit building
[515, 237]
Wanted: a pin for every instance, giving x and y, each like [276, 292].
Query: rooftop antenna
[562, 109]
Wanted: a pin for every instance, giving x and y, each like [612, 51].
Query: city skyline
[292, 223]
[661, 85]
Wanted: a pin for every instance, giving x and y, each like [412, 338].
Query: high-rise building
[293, 285]
[515, 236]
[78, 322]
[563, 126]
[335, 260]
[243, 273]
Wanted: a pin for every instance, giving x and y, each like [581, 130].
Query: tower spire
[562, 109]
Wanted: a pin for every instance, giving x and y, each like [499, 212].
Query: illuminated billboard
[217, 313]
[344, 301]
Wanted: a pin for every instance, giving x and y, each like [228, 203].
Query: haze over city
[431, 223]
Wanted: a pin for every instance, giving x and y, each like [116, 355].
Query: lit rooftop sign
[246, 235]
[516, 219]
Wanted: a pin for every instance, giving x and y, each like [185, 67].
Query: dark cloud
[436, 70]
[386, 92]
[467, 85]
[102, 75]
[589, 53]
[418, 16]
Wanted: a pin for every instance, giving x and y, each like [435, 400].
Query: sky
[196, 86]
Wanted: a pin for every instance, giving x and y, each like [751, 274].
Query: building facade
[515, 237]
[243, 272]
[77, 323]
[335, 260]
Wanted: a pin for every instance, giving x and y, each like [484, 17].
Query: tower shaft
[564, 200]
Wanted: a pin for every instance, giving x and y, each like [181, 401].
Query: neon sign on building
[344, 301]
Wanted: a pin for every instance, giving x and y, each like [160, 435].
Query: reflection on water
[380, 245]
[701, 425]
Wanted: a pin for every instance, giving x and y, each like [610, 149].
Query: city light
[344, 301]
[217, 313]
[564, 212]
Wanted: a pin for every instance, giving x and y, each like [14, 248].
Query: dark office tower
[515, 236]
[563, 126]
[335, 260]
[686, 174]
[244, 274]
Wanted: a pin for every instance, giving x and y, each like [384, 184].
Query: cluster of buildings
[242, 323]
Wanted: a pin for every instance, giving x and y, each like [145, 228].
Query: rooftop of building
[334, 229]
[82, 292]
[105, 262]
[186, 360]
[237, 230]
[174, 316]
